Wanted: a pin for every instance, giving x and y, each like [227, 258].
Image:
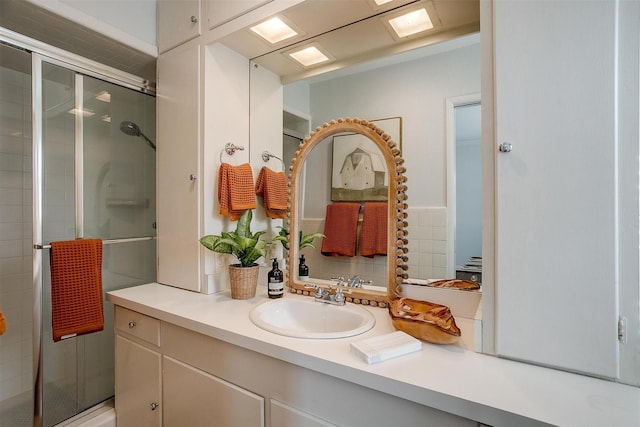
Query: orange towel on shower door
[341, 229]
[3, 323]
[235, 190]
[272, 186]
[373, 235]
[76, 288]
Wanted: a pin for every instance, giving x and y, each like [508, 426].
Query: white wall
[415, 91]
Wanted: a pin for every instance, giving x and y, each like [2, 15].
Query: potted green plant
[247, 247]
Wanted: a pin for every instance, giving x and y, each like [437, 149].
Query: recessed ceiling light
[309, 55]
[411, 23]
[274, 30]
[104, 96]
[381, 2]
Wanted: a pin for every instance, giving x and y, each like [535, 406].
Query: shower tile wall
[16, 295]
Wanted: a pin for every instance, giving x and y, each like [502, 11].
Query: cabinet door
[178, 22]
[194, 398]
[137, 385]
[178, 184]
[221, 11]
[556, 191]
[283, 415]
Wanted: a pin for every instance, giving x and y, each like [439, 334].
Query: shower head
[132, 129]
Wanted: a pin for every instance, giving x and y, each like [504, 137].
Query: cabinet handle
[194, 20]
[192, 177]
[154, 406]
[505, 147]
[132, 325]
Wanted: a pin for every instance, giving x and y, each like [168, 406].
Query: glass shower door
[98, 182]
[16, 272]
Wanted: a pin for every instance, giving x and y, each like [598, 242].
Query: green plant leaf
[244, 245]
[283, 240]
[307, 239]
[243, 228]
[283, 237]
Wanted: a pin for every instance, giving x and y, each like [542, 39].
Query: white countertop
[484, 388]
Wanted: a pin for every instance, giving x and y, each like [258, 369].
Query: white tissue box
[385, 347]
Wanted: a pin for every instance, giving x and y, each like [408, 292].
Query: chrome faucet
[325, 295]
[352, 282]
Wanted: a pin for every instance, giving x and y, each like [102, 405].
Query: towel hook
[266, 156]
[230, 149]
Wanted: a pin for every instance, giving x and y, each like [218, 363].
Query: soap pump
[303, 269]
[275, 285]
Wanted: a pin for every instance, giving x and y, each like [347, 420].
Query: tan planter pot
[243, 280]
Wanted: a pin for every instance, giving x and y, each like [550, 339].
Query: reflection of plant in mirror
[242, 243]
[304, 240]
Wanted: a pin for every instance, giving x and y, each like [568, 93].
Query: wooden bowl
[424, 320]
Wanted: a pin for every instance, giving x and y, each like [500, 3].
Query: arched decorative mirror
[394, 264]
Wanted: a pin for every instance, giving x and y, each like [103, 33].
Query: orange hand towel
[341, 229]
[272, 186]
[3, 323]
[373, 235]
[235, 190]
[76, 288]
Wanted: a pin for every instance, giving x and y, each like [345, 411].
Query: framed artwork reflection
[359, 171]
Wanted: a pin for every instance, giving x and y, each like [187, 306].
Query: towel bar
[105, 242]
[266, 156]
[230, 149]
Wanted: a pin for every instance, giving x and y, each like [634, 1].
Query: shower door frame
[41, 53]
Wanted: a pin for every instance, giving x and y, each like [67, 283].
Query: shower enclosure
[67, 171]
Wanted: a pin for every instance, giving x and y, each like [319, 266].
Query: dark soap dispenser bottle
[275, 281]
[303, 269]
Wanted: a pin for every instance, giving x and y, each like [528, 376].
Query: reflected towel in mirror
[235, 190]
[341, 229]
[272, 186]
[373, 235]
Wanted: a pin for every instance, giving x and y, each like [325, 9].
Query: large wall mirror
[374, 75]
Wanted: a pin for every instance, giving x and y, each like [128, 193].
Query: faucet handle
[340, 279]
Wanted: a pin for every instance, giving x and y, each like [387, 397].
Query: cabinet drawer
[139, 325]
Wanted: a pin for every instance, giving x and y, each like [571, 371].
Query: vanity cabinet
[556, 225]
[138, 370]
[204, 381]
[178, 22]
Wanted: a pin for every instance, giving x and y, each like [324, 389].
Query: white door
[556, 267]
[178, 103]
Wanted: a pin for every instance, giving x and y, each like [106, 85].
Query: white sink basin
[310, 319]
